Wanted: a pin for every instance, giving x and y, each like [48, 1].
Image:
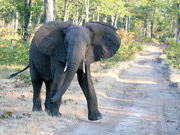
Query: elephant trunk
[70, 73]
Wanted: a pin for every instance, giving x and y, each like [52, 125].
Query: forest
[149, 18]
[128, 65]
[137, 21]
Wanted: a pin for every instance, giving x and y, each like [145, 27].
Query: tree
[87, 10]
[49, 10]
[27, 16]
[178, 24]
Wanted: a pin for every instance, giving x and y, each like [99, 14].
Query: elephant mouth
[83, 66]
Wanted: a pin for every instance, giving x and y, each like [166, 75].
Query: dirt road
[141, 103]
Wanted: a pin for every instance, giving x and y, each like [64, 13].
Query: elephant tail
[13, 75]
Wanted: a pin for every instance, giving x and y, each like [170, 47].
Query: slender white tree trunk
[87, 10]
[77, 14]
[129, 23]
[112, 20]
[49, 10]
[39, 17]
[98, 10]
[65, 11]
[54, 10]
[104, 18]
[3, 21]
[126, 24]
[116, 21]
[93, 16]
[16, 24]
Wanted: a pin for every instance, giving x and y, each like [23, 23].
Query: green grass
[173, 53]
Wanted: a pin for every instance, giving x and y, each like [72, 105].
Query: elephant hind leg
[86, 84]
[48, 94]
[37, 84]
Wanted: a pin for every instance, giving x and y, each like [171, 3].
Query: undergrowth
[173, 53]
[18, 57]
[128, 48]
[20, 53]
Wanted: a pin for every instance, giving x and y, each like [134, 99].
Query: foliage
[128, 48]
[17, 56]
[10, 115]
[25, 77]
[161, 13]
[173, 52]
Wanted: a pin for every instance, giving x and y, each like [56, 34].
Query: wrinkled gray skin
[57, 43]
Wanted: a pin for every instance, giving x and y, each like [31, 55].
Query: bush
[19, 55]
[128, 48]
[173, 52]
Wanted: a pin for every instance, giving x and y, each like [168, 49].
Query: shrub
[173, 52]
[126, 51]
[19, 55]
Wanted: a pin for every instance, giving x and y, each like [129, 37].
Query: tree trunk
[171, 30]
[49, 10]
[152, 29]
[178, 27]
[98, 10]
[54, 10]
[129, 23]
[16, 23]
[39, 18]
[123, 23]
[112, 20]
[104, 18]
[145, 23]
[87, 10]
[126, 18]
[93, 16]
[13, 22]
[3, 21]
[77, 14]
[116, 21]
[65, 10]
[28, 4]
[73, 18]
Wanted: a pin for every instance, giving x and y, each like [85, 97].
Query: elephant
[58, 51]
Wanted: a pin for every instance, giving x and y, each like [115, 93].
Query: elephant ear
[50, 38]
[104, 43]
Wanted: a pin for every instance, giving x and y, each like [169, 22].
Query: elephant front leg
[86, 84]
[57, 82]
[54, 107]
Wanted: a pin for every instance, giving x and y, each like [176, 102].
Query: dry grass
[18, 100]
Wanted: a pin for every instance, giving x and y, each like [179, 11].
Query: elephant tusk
[65, 68]
[84, 71]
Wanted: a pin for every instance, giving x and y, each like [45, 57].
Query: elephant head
[76, 46]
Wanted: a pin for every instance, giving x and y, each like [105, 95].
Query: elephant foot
[54, 114]
[94, 116]
[37, 109]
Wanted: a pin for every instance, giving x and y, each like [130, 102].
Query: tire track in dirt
[141, 103]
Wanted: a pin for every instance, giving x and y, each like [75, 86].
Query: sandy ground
[140, 97]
